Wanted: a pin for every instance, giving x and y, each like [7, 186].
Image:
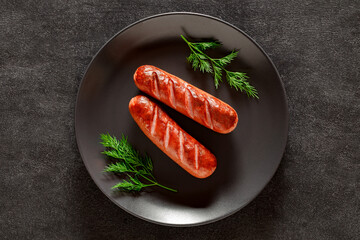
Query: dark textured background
[46, 192]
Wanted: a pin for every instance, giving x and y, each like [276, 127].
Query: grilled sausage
[186, 99]
[171, 139]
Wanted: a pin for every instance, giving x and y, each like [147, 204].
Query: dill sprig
[216, 66]
[131, 163]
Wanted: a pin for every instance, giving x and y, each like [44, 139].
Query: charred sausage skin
[166, 134]
[186, 99]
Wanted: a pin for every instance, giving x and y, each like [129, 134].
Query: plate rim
[193, 14]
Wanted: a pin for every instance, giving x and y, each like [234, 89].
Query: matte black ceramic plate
[247, 158]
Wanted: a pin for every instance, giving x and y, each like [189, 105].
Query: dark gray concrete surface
[45, 190]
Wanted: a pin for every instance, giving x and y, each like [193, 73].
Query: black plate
[247, 158]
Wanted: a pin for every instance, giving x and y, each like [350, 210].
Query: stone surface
[45, 190]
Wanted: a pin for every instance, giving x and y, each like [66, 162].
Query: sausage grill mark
[181, 146]
[156, 84]
[172, 95]
[167, 135]
[196, 157]
[153, 124]
[188, 102]
[207, 114]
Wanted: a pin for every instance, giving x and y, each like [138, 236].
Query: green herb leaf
[206, 45]
[118, 167]
[130, 162]
[129, 186]
[205, 66]
[194, 60]
[148, 163]
[216, 66]
[239, 81]
[227, 59]
[217, 75]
